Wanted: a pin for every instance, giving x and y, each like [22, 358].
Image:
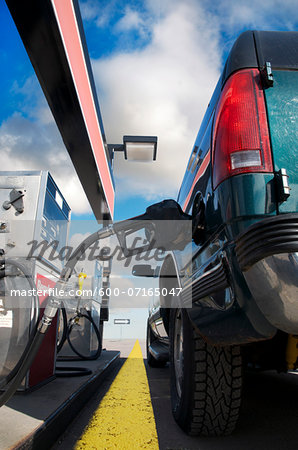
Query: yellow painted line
[124, 418]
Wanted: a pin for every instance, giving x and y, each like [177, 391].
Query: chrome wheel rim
[178, 351]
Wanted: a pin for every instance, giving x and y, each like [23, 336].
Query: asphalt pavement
[269, 414]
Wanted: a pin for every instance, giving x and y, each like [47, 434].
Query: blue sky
[155, 65]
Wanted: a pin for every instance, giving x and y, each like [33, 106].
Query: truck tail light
[241, 141]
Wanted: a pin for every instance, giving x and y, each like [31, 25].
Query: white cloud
[98, 12]
[268, 14]
[28, 144]
[77, 238]
[164, 88]
[161, 90]
[130, 21]
[30, 140]
[89, 9]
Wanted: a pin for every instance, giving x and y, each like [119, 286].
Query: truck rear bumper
[267, 253]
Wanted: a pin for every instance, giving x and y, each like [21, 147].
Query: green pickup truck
[241, 189]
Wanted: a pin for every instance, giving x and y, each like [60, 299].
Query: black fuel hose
[69, 371]
[97, 354]
[66, 335]
[34, 319]
[24, 367]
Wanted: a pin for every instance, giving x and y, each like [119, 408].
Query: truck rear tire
[205, 380]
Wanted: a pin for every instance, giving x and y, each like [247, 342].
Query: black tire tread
[217, 389]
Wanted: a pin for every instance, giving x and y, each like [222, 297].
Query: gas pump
[32, 210]
[34, 214]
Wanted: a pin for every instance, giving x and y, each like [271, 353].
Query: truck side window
[197, 161]
[192, 157]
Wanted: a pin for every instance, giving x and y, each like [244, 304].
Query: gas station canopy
[53, 36]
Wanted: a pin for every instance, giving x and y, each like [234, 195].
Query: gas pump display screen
[55, 207]
[55, 218]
